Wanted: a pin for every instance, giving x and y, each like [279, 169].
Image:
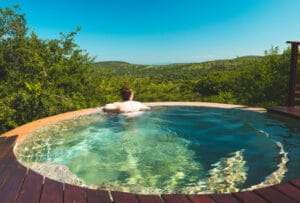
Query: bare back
[126, 107]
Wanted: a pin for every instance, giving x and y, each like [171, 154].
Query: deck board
[290, 111]
[272, 195]
[249, 197]
[3, 148]
[74, 193]
[296, 182]
[31, 189]
[289, 190]
[201, 198]
[7, 172]
[6, 144]
[52, 192]
[97, 196]
[5, 166]
[123, 197]
[149, 199]
[13, 183]
[8, 140]
[175, 198]
[16, 185]
[225, 198]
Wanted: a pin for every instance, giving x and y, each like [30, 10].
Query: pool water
[189, 150]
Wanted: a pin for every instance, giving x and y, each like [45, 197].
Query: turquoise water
[171, 150]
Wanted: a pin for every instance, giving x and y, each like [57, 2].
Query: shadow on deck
[19, 184]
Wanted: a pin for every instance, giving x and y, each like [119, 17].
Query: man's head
[127, 94]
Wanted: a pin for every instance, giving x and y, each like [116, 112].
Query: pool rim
[26, 129]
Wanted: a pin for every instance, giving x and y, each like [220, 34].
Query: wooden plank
[149, 199]
[7, 144]
[296, 182]
[5, 165]
[249, 197]
[123, 197]
[7, 141]
[11, 139]
[290, 111]
[31, 189]
[201, 198]
[225, 198]
[52, 192]
[2, 143]
[272, 195]
[293, 74]
[9, 191]
[175, 198]
[74, 194]
[289, 190]
[97, 196]
[8, 169]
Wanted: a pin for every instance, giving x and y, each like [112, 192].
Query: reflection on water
[168, 150]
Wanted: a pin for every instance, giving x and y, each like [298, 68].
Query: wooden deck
[22, 185]
[289, 111]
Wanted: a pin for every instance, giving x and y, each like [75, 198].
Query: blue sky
[167, 31]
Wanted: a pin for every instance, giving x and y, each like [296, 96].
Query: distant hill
[249, 57]
[172, 72]
[115, 65]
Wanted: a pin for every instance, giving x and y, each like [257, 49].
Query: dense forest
[41, 77]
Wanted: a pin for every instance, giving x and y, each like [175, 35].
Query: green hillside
[174, 72]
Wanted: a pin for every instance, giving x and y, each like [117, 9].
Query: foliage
[40, 77]
[251, 80]
[260, 82]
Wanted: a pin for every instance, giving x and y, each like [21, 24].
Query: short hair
[126, 93]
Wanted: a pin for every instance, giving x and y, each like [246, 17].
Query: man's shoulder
[131, 106]
[137, 103]
[141, 105]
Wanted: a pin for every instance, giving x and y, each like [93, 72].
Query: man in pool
[128, 105]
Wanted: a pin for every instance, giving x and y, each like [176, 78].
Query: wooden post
[293, 73]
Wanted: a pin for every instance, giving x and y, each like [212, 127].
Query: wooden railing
[297, 94]
[294, 95]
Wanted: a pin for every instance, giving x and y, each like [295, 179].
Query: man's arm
[144, 107]
[111, 107]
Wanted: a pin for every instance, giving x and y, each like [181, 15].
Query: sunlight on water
[277, 176]
[151, 154]
[147, 158]
[227, 174]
